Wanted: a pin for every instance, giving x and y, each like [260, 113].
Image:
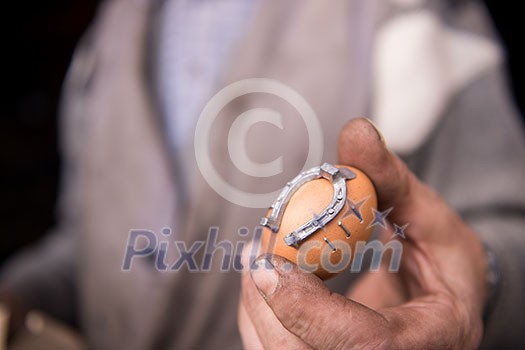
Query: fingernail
[379, 133]
[265, 277]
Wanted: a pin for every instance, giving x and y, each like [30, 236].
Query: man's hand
[14, 312]
[435, 300]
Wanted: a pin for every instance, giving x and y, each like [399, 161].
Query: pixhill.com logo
[144, 246]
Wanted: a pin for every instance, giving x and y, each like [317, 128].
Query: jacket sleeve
[476, 160]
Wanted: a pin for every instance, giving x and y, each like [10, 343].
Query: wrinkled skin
[435, 300]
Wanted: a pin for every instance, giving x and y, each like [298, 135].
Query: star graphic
[380, 217]
[354, 208]
[399, 231]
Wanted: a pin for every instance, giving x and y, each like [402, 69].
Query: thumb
[361, 145]
[413, 203]
[306, 308]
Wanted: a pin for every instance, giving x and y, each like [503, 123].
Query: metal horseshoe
[338, 178]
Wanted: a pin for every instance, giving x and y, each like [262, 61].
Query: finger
[430, 220]
[379, 289]
[306, 308]
[361, 145]
[271, 333]
[432, 322]
[258, 325]
[249, 336]
[384, 287]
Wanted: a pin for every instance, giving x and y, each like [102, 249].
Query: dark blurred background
[38, 39]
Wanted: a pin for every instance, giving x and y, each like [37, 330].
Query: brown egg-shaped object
[329, 247]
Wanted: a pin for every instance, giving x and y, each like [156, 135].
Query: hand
[435, 300]
[14, 312]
